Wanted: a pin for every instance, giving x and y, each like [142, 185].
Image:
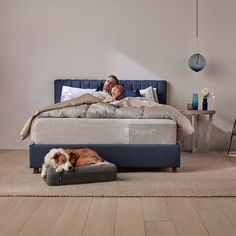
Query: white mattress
[103, 131]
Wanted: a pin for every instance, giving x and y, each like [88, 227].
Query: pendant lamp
[197, 62]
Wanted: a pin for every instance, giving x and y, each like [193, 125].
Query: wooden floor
[110, 216]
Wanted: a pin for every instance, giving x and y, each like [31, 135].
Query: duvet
[88, 106]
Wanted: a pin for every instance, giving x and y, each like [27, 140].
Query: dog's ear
[56, 156]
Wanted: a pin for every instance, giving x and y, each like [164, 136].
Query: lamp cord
[197, 23]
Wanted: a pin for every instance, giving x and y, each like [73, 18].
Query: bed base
[122, 155]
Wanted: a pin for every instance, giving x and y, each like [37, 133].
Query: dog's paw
[43, 171]
[59, 169]
[43, 175]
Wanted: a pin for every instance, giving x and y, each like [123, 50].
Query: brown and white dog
[83, 157]
[61, 159]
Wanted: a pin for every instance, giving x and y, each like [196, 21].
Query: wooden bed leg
[174, 170]
[36, 171]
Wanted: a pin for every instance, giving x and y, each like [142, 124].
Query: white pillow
[155, 95]
[147, 93]
[71, 92]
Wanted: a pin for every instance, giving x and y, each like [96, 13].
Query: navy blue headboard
[161, 86]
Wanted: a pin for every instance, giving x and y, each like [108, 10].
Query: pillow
[149, 93]
[132, 93]
[71, 92]
[100, 87]
[155, 95]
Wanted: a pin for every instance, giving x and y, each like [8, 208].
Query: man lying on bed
[110, 82]
[106, 91]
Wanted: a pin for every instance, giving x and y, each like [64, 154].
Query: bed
[160, 151]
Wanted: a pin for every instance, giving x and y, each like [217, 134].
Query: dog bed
[84, 174]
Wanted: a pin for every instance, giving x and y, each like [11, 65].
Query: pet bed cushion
[84, 174]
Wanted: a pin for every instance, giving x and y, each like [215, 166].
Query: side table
[195, 123]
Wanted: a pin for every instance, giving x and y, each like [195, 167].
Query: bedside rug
[201, 174]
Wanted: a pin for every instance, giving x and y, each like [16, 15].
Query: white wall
[43, 40]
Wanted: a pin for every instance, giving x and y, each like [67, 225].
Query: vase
[195, 101]
[204, 104]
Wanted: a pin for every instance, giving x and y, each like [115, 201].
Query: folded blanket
[88, 106]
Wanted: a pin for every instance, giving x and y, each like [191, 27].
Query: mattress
[103, 131]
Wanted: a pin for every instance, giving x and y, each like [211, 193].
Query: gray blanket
[88, 106]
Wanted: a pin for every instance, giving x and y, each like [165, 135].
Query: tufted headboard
[161, 86]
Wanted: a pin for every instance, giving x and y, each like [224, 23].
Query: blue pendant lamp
[197, 62]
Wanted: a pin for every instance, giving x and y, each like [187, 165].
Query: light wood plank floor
[110, 216]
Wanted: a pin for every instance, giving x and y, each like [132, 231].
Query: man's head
[110, 82]
[117, 92]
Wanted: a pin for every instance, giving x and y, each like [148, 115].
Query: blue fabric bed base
[122, 155]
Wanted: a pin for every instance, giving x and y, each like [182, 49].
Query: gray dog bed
[85, 174]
